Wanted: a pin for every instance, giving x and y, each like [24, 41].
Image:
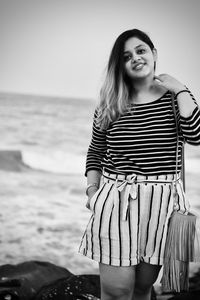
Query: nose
[136, 58]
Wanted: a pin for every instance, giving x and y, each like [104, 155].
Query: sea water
[52, 133]
[43, 213]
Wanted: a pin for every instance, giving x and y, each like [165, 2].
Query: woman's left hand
[169, 82]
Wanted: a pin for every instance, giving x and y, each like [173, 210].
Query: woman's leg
[146, 275]
[117, 283]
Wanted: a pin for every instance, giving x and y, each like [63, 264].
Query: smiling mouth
[138, 67]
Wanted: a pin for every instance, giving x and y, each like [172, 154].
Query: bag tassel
[179, 251]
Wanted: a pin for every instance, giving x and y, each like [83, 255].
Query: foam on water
[56, 162]
[192, 165]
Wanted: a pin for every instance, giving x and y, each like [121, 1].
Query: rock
[71, 288]
[23, 281]
[191, 295]
[35, 280]
[74, 288]
[194, 282]
[11, 160]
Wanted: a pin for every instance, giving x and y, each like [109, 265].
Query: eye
[141, 51]
[127, 57]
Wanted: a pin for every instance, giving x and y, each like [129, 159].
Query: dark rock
[191, 295]
[194, 282]
[23, 281]
[35, 280]
[74, 288]
[11, 160]
[71, 288]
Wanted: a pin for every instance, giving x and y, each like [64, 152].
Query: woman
[131, 165]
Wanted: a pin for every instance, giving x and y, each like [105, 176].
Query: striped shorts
[129, 220]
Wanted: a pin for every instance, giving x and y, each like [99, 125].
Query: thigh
[146, 275]
[120, 278]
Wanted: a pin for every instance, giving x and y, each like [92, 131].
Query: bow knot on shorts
[129, 187]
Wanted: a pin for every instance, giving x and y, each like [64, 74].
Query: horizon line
[46, 95]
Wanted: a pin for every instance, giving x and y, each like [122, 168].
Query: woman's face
[139, 59]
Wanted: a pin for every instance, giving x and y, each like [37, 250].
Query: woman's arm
[97, 148]
[95, 154]
[186, 103]
[189, 117]
[188, 109]
[184, 98]
[93, 182]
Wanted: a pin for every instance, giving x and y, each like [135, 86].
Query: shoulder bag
[183, 240]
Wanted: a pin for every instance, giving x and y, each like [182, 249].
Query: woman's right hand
[91, 192]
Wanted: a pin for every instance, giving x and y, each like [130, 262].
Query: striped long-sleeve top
[143, 140]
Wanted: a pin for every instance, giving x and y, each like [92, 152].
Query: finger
[163, 77]
[158, 79]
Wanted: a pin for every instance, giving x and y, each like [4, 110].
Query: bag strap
[177, 144]
[183, 168]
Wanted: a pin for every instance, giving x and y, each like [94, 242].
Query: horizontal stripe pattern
[143, 140]
[111, 240]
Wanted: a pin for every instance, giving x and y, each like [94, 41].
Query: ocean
[43, 146]
[44, 142]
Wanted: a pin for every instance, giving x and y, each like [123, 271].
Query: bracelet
[182, 91]
[91, 185]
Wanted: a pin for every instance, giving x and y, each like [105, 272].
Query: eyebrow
[141, 45]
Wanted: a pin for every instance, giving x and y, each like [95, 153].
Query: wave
[55, 162]
[58, 162]
[192, 165]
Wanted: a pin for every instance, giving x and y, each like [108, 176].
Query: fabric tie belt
[129, 189]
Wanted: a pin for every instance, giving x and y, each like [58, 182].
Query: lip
[138, 66]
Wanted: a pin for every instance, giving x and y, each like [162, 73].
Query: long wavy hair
[116, 88]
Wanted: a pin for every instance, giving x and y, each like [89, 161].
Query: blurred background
[52, 61]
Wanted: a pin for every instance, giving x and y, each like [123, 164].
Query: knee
[116, 292]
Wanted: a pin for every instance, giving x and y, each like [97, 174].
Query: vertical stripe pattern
[119, 239]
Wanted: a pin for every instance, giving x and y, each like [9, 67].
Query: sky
[61, 47]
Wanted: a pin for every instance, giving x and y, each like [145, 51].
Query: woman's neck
[143, 85]
[146, 91]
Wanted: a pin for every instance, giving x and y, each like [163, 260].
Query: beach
[42, 183]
